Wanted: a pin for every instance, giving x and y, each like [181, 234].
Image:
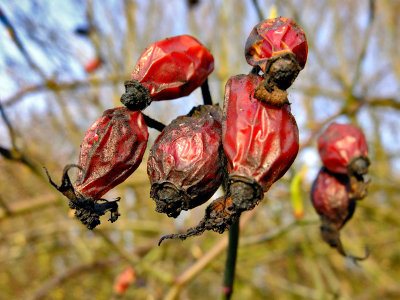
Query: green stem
[230, 263]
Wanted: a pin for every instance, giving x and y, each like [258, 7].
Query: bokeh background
[55, 80]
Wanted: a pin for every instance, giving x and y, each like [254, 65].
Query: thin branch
[9, 126]
[14, 36]
[364, 46]
[230, 263]
[134, 259]
[318, 127]
[201, 263]
[153, 123]
[54, 86]
[258, 10]
[73, 272]
[205, 91]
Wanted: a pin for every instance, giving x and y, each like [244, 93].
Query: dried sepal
[219, 216]
[87, 210]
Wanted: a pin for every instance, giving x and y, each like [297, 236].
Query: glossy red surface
[330, 197]
[273, 37]
[111, 150]
[260, 141]
[173, 67]
[339, 144]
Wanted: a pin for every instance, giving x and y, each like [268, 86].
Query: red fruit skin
[272, 37]
[260, 141]
[188, 156]
[330, 197]
[339, 145]
[173, 67]
[111, 151]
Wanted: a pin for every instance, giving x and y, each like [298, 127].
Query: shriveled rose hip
[186, 162]
[260, 141]
[279, 48]
[343, 149]
[274, 37]
[331, 198]
[168, 69]
[111, 151]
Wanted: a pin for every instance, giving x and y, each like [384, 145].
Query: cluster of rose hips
[245, 147]
[341, 181]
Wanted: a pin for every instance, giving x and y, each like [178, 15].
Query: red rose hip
[273, 37]
[168, 69]
[331, 198]
[111, 151]
[260, 141]
[186, 162]
[343, 149]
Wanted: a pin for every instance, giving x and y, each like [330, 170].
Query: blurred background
[62, 63]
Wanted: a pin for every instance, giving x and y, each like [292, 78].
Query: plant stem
[230, 263]
[205, 91]
[153, 123]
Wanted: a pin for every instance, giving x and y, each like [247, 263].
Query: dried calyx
[278, 47]
[87, 210]
[136, 96]
[219, 216]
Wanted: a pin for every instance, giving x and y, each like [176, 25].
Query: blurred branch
[258, 10]
[201, 263]
[317, 128]
[14, 36]
[26, 206]
[278, 232]
[14, 154]
[51, 85]
[134, 259]
[73, 272]
[364, 45]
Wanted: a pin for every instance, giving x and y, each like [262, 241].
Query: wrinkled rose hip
[260, 141]
[168, 69]
[186, 162]
[111, 150]
[279, 48]
[343, 149]
[274, 37]
[331, 198]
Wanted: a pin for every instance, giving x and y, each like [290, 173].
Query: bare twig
[73, 272]
[258, 9]
[201, 263]
[364, 45]
[14, 36]
[54, 86]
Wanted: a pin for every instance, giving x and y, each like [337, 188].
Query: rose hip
[331, 198]
[111, 151]
[186, 162]
[274, 37]
[168, 69]
[343, 149]
[260, 141]
[279, 48]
